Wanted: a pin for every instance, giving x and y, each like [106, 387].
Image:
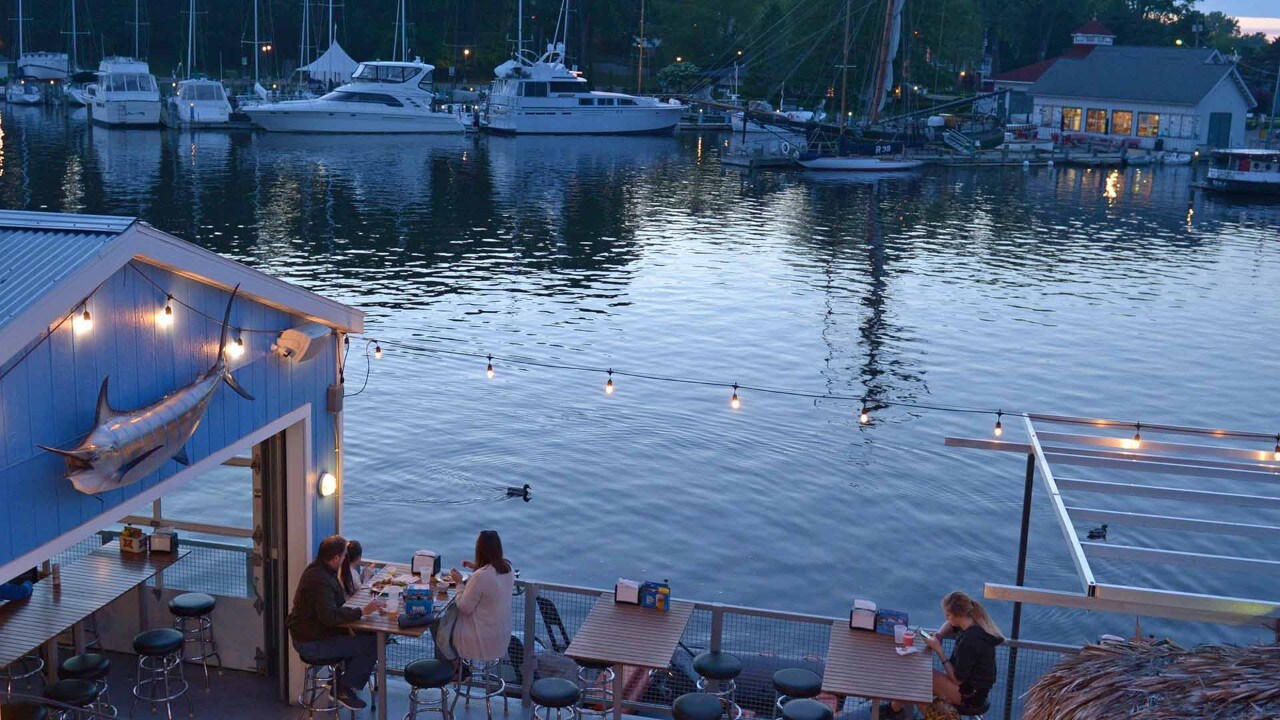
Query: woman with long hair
[352, 574]
[969, 674]
[483, 629]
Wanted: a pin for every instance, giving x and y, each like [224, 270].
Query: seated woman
[352, 575]
[483, 628]
[969, 674]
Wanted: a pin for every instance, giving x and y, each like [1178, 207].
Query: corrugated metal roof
[1181, 76]
[39, 250]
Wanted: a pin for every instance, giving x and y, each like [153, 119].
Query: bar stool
[557, 694]
[697, 706]
[428, 675]
[193, 617]
[74, 692]
[723, 668]
[792, 683]
[160, 676]
[806, 709]
[320, 685]
[94, 667]
[596, 679]
[23, 711]
[494, 684]
[24, 668]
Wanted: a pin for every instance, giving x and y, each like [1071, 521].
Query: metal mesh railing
[211, 567]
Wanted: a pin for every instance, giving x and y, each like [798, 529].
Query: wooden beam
[1101, 603]
[984, 444]
[1169, 522]
[239, 462]
[1266, 457]
[1178, 557]
[1168, 493]
[1060, 512]
[1153, 427]
[1130, 461]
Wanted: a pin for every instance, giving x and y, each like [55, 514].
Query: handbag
[442, 634]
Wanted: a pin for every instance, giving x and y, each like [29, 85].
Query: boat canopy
[334, 66]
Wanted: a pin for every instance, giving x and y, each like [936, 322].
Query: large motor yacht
[198, 102]
[382, 97]
[539, 95]
[125, 93]
[43, 65]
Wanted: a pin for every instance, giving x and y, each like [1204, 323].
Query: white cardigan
[484, 615]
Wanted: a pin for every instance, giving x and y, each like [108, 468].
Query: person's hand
[934, 644]
[372, 607]
[468, 565]
[454, 575]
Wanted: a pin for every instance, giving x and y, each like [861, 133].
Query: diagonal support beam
[1067, 527]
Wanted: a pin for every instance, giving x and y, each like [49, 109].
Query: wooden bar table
[629, 635]
[382, 624]
[863, 663]
[88, 585]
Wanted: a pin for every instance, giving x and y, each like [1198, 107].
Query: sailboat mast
[330, 23]
[303, 55]
[640, 62]
[75, 57]
[19, 29]
[191, 34]
[257, 45]
[136, 52]
[844, 63]
[404, 32]
[882, 63]
[519, 27]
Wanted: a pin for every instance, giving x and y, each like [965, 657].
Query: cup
[899, 631]
[908, 638]
[392, 602]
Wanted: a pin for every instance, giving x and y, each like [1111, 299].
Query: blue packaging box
[655, 596]
[418, 600]
[886, 619]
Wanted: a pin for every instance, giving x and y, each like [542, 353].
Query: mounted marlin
[124, 447]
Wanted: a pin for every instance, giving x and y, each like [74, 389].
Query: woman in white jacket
[483, 628]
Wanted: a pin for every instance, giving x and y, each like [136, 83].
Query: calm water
[1117, 293]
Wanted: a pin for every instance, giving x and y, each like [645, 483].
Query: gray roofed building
[1180, 76]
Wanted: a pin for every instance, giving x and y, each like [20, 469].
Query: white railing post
[529, 663]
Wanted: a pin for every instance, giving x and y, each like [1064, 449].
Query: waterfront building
[1019, 80]
[100, 318]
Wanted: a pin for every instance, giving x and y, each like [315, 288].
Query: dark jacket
[15, 590]
[317, 606]
[974, 661]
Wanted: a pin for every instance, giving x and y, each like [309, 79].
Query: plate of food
[400, 581]
[445, 578]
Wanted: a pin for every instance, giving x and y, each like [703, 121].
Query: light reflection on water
[1116, 292]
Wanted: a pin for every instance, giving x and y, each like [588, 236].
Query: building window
[1096, 121]
[1122, 122]
[1071, 118]
[1148, 124]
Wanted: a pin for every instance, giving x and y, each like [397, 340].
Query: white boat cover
[334, 66]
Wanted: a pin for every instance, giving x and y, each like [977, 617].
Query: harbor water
[1117, 293]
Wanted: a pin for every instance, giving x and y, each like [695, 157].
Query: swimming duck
[520, 492]
[1098, 533]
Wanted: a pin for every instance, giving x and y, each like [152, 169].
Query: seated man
[317, 618]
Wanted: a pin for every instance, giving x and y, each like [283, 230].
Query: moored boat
[125, 93]
[862, 163]
[24, 91]
[1244, 170]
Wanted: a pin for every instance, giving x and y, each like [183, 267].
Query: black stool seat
[24, 711]
[321, 659]
[697, 706]
[192, 604]
[804, 709]
[89, 666]
[160, 641]
[797, 682]
[717, 665]
[73, 692]
[594, 664]
[428, 673]
[553, 692]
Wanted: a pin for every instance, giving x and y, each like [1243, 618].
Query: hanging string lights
[235, 349]
[608, 386]
[735, 402]
[83, 322]
[864, 415]
[1276, 455]
[377, 351]
[488, 371]
[164, 317]
[999, 429]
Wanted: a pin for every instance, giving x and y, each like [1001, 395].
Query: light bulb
[1137, 436]
[608, 386]
[236, 349]
[488, 371]
[164, 317]
[999, 428]
[864, 416]
[82, 323]
[735, 402]
[328, 484]
[168, 305]
[1276, 454]
[377, 351]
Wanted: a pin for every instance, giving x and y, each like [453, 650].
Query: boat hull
[659, 120]
[860, 164]
[277, 117]
[76, 96]
[17, 95]
[125, 113]
[198, 114]
[1241, 187]
[43, 65]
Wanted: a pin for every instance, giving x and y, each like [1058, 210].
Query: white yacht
[43, 65]
[198, 102]
[24, 91]
[382, 97]
[125, 93]
[539, 95]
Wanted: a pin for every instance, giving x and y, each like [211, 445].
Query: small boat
[24, 91]
[198, 102]
[382, 97]
[125, 93]
[1244, 170]
[859, 163]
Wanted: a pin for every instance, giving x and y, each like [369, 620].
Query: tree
[678, 77]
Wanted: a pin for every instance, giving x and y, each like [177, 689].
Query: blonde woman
[970, 672]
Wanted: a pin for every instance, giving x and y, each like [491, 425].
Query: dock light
[83, 322]
[1178, 42]
[608, 386]
[328, 484]
[377, 351]
[488, 371]
[735, 402]
[864, 415]
[236, 349]
[679, 59]
[999, 428]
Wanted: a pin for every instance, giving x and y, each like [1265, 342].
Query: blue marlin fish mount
[125, 446]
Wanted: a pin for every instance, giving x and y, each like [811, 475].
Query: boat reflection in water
[128, 161]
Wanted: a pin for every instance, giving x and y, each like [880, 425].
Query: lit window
[1096, 121]
[1071, 118]
[1122, 122]
[1148, 124]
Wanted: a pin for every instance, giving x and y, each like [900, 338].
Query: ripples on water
[1110, 293]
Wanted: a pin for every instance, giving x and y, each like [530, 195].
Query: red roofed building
[1084, 39]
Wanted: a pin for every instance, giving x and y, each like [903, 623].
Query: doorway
[1219, 130]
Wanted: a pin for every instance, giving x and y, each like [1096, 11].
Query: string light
[82, 323]
[864, 415]
[1137, 436]
[488, 371]
[608, 386]
[999, 428]
[377, 351]
[164, 318]
[735, 402]
[236, 349]
[1276, 454]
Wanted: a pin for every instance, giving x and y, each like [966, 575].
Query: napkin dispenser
[426, 563]
[626, 592]
[164, 540]
[863, 615]
[418, 600]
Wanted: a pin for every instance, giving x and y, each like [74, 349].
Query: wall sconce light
[328, 484]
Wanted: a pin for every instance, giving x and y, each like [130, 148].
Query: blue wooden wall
[49, 397]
